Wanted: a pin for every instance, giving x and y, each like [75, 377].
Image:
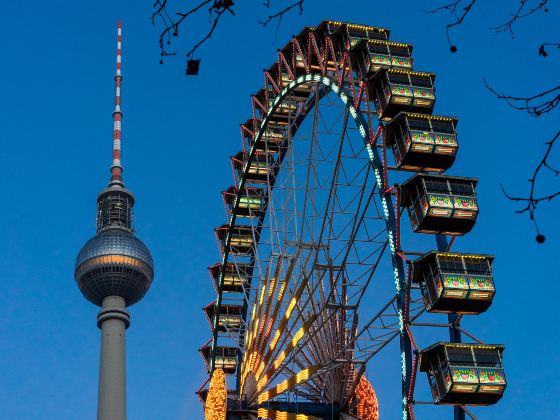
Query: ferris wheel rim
[357, 115]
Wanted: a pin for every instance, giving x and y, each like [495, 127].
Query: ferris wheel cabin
[369, 56]
[394, 90]
[260, 169]
[454, 282]
[236, 277]
[440, 204]
[252, 201]
[226, 357]
[422, 142]
[230, 318]
[242, 239]
[466, 374]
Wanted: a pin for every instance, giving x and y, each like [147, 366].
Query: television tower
[114, 270]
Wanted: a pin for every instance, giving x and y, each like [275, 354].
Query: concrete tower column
[113, 319]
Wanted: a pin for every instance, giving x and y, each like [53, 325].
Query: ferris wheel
[338, 243]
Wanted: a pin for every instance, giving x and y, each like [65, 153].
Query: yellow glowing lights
[367, 407]
[430, 117]
[288, 383]
[359, 27]
[282, 356]
[290, 308]
[452, 255]
[472, 346]
[412, 73]
[216, 401]
[266, 413]
[390, 43]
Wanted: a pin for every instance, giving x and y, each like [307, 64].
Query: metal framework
[310, 217]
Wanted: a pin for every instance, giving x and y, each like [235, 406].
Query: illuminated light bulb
[216, 401]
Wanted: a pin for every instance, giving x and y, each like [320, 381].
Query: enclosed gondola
[453, 282]
[464, 374]
[252, 201]
[440, 204]
[288, 106]
[271, 140]
[422, 142]
[261, 169]
[242, 241]
[395, 90]
[226, 357]
[236, 277]
[230, 318]
[357, 32]
[368, 56]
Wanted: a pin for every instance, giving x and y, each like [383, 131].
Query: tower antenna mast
[116, 167]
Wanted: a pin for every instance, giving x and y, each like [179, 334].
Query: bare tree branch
[217, 17]
[536, 105]
[459, 10]
[522, 11]
[173, 24]
[532, 200]
[282, 12]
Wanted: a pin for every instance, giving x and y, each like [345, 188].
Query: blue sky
[55, 109]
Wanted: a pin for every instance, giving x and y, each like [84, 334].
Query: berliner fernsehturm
[114, 270]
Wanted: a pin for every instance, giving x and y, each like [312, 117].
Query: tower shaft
[113, 319]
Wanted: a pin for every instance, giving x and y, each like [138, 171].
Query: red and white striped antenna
[116, 167]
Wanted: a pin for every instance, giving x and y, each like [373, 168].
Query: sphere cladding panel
[114, 263]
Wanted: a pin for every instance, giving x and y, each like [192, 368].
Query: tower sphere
[114, 263]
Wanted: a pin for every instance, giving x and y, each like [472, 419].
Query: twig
[452, 8]
[282, 12]
[170, 24]
[527, 103]
[532, 200]
[219, 14]
[519, 14]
